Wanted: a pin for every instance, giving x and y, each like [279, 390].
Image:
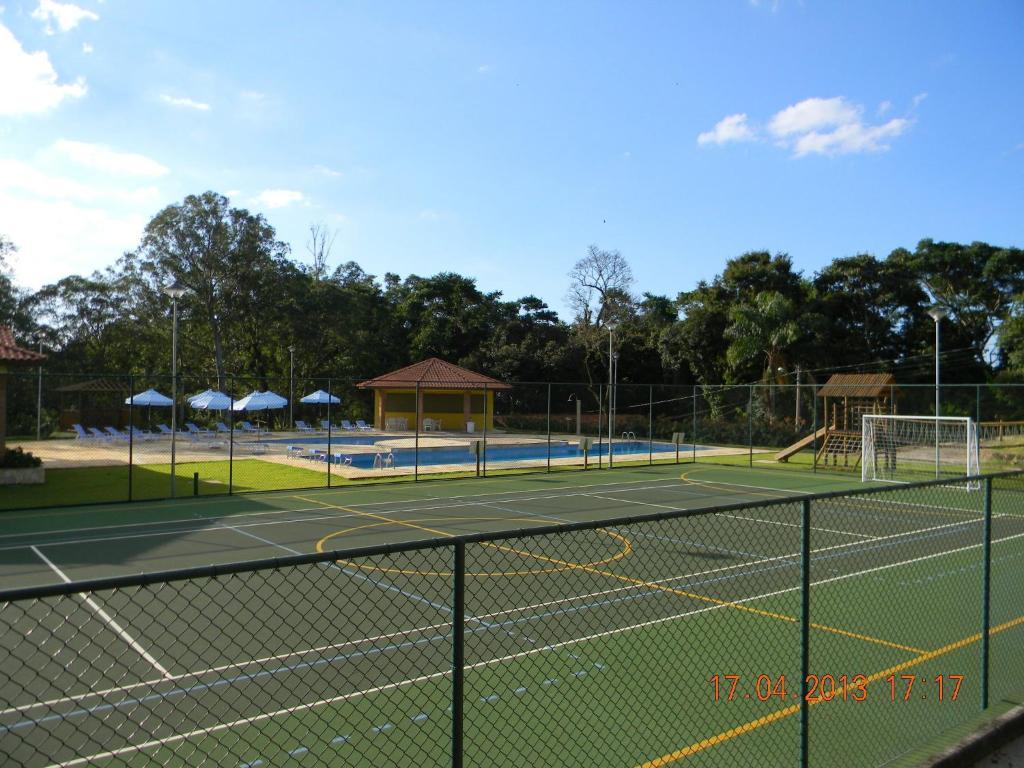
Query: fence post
[231, 443]
[986, 591]
[131, 431]
[805, 623]
[330, 416]
[650, 425]
[814, 431]
[484, 448]
[693, 436]
[458, 648]
[750, 425]
[549, 426]
[977, 405]
[600, 423]
[416, 448]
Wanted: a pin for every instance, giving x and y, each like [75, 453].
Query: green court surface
[596, 646]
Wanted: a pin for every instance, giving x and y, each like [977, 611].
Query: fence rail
[150, 452]
[828, 629]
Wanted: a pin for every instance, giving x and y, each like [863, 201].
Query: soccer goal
[905, 449]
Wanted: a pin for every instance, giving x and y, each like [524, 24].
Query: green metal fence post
[986, 590]
[416, 449]
[458, 649]
[805, 623]
[977, 404]
[650, 425]
[750, 425]
[483, 448]
[814, 431]
[330, 416]
[231, 443]
[600, 422]
[693, 436]
[549, 426]
[131, 433]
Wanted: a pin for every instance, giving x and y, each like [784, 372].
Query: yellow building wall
[450, 420]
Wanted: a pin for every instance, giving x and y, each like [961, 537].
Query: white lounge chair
[347, 425]
[303, 426]
[195, 431]
[80, 433]
[362, 426]
[248, 428]
[116, 434]
[98, 435]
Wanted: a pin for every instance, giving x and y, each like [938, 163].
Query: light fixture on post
[937, 313]
[611, 386]
[175, 291]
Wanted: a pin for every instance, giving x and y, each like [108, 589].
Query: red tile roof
[10, 352]
[436, 373]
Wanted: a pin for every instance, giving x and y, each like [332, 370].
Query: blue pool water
[406, 457]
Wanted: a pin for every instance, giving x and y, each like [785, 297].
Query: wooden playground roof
[11, 353]
[95, 385]
[858, 385]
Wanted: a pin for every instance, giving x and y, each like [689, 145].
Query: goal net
[906, 449]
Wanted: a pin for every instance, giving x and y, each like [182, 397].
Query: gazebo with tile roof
[446, 396]
[11, 356]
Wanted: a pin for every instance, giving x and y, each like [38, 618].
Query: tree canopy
[248, 301]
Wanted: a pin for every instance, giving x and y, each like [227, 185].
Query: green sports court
[604, 611]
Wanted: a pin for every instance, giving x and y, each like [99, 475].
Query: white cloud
[29, 83]
[817, 126]
[813, 114]
[279, 198]
[918, 99]
[232, 193]
[731, 128]
[87, 48]
[66, 15]
[323, 170]
[429, 214]
[483, 69]
[184, 102]
[101, 158]
[850, 138]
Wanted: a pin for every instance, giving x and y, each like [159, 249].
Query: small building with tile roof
[437, 394]
[12, 356]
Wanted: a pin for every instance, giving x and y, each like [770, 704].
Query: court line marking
[737, 517]
[493, 615]
[106, 618]
[652, 585]
[780, 714]
[132, 748]
[535, 606]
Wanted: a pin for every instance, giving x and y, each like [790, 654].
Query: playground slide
[798, 446]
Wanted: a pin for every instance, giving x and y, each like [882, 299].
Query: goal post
[905, 449]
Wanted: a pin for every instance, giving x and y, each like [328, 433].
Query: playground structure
[847, 397]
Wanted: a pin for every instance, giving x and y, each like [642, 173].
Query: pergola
[446, 396]
[11, 356]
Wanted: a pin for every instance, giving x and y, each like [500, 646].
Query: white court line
[132, 748]
[107, 618]
[495, 615]
[795, 525]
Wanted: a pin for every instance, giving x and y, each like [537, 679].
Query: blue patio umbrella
[210, 400]
[150, 398]
[321, 398]
[260, 401]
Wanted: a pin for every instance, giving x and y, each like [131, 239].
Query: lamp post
[175, 290]
[291, 385]
[611, 387]
[937, 313]
[39, 399]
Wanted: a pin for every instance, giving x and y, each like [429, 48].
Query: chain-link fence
[830, 630]
[96, 447]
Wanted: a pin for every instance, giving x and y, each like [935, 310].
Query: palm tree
[763, 330]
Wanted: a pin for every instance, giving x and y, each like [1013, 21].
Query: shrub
[15, 458]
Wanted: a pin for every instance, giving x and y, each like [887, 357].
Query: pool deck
[70, 453]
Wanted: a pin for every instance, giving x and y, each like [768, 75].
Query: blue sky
[499, 140]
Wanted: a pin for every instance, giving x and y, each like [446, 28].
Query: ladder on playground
[839, 448]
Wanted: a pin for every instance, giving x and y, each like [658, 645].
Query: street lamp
[937, 313]
[175, 290]
[291, 385]
[611, 389]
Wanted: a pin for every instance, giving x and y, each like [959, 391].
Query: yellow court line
[644, 583]
[760, 722]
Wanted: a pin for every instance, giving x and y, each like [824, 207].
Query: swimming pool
[495, 454]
